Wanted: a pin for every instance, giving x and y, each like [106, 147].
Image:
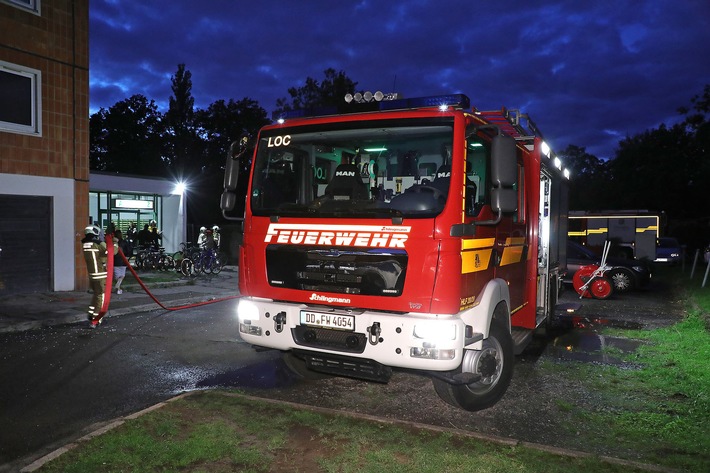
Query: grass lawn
[214, 431]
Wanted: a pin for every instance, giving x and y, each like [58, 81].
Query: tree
[329, 93]
[224, 122]
[184, 148]
[218, 126]
[591, 179]
[652, 171]
[127, 138]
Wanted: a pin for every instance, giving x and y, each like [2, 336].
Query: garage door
[25, 244]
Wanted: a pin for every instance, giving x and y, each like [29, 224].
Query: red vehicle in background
[401, 233]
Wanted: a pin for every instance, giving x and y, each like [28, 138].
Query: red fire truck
[416, 234]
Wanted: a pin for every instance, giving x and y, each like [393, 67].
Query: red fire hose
[109, 284]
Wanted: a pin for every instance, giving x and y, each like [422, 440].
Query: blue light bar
[459, 101]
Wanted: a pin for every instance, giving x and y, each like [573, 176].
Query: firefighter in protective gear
[95, 256]
[202, 238]
[215, 235]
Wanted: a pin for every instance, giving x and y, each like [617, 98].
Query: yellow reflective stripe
[476, 254]
[478, 260]
[513, 251]
[651, 228]
[472, 244]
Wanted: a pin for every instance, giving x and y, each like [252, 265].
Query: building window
[30, 5]
[20, 99]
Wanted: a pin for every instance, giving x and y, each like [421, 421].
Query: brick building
[44, 143]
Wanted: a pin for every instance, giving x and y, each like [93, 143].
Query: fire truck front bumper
[412, 340]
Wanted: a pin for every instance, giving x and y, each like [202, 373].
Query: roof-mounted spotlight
[367, 96]
[545, 149]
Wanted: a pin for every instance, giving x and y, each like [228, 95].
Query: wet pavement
[32, 311]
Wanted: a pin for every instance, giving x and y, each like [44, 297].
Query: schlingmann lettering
[319, 298]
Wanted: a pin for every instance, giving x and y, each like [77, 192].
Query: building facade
[44, 143]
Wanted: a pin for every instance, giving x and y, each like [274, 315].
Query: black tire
[217, 265]
[494, 362]
[298, 367]
[622, 279]
[178, 256]
[166, 263]
[187, 268]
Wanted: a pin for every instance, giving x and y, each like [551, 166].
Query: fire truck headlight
[435, 331]
[432, 353]
[247, 310]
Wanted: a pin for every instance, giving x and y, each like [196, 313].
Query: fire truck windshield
[360, 169]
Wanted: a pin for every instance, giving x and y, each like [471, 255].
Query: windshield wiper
[395, 214]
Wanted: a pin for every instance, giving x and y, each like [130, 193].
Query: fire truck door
[512, 247]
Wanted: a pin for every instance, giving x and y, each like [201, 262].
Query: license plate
[334, 321]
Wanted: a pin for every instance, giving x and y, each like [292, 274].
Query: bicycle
[208, 261]
[152, 258]
[186, 251]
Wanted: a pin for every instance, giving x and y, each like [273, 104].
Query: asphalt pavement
[22, 312]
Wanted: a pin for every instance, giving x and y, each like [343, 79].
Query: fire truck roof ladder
[510, 122]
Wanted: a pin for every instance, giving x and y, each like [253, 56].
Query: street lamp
[180, 188]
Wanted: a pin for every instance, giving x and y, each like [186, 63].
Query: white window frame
[35, 76]
[33, 6]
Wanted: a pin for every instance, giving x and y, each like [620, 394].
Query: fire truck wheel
[298, 367]
[495, 364]
[622, 279]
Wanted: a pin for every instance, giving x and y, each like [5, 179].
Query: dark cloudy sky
[587, 72]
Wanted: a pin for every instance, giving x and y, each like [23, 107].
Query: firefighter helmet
[202, 229]
[153, 223]
[215, 228]
[91, 230]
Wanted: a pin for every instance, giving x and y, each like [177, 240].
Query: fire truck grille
[350, 367]
[350, 342]
[371, 272]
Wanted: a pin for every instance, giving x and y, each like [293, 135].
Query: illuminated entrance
[125, 208]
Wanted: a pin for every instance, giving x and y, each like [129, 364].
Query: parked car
[668, 250]
[625, 273]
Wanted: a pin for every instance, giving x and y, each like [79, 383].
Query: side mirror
[504, 174]
[228, 200]
[504, 200]
[504, 163]
[231, 170]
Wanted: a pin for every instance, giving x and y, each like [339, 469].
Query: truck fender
[479, 316]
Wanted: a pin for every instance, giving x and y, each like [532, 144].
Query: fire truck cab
[416, 234]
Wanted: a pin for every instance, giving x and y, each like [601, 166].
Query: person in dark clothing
[132, 235]
[144, 236]
[95, 256]
[119, 266]
[156, 238]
